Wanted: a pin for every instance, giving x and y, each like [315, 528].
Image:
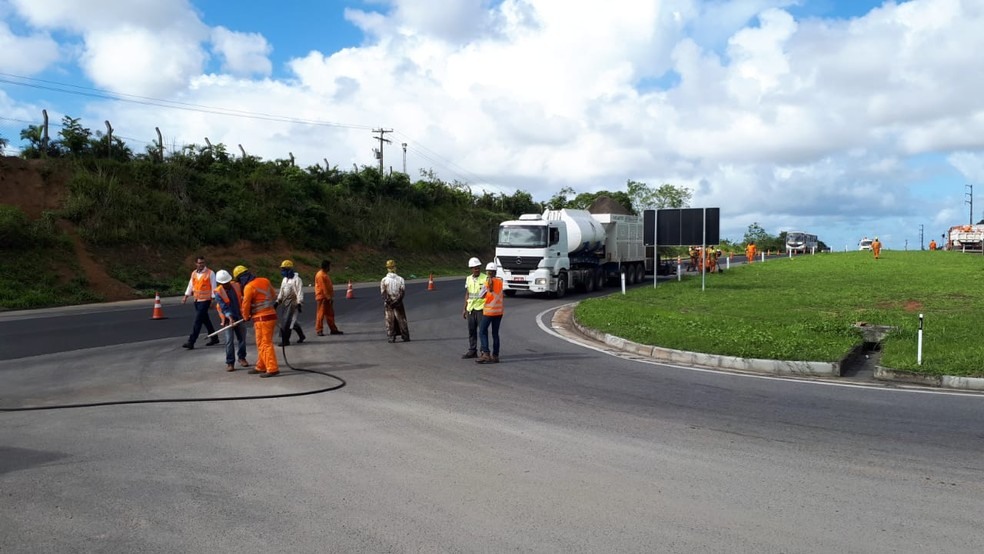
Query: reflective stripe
[473, 285]
[267, 302]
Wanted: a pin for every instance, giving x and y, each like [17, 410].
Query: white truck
[558, 250]
[965, 237]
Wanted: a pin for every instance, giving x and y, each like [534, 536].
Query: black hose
[341, 383]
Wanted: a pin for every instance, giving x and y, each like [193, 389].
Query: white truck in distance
[965, 237]
[560, 249]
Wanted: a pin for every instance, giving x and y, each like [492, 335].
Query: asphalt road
[559, 448]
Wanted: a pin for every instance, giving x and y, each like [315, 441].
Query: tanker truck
[558, 250]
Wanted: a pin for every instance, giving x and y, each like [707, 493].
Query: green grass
[808, 308]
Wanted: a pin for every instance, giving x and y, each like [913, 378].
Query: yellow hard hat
[390, 264]
[239, 270]
[286, 264]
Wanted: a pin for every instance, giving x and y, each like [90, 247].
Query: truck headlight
[541, 281]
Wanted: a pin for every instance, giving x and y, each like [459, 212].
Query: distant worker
[200, 286]
[393, 288]
[750, 252]
[324, 295]
[474, 303]
[228, 302]
[258, 299]
[932, 244]
[289, 299]
[876, 246]
[491, 316]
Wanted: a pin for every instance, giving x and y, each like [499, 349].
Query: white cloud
[244, 53]
[43, 51]
[810, 122]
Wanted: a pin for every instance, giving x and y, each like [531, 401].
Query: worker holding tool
[258, 299]
[228, 302]
[289, 300]
[200, 286]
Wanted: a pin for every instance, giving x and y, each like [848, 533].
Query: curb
[769, 367]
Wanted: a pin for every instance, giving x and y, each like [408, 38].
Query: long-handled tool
[226, 328]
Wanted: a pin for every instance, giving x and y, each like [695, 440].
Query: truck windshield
[523, 236]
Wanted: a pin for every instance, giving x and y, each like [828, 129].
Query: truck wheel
[589, 281]
[561, 285]
[599, 278]
[510, 292]
[640, 273]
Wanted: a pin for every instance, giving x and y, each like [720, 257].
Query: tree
[757, 234]
[666, 196]
[559, 200]
[74, 137]
[3, 145]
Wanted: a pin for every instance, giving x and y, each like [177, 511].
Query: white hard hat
[223, 277]
[474, 262]
[490, 267]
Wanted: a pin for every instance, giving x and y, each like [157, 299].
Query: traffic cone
[430, 283]
[350, 293]
[158, 311]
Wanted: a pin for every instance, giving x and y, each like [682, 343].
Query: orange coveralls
[324, 295]
[876, 248]
[258, 297]
[750, 253]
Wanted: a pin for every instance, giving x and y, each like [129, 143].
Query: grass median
[809, 307]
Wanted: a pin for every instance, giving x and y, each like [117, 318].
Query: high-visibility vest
[201, 285]
[473, 285]
[221, 293]
[493, 298]
[258, 298]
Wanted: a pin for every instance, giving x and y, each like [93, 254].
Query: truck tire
[640, 272]
[561, 285]
[510, 293]
[589, 281]
[599, 277]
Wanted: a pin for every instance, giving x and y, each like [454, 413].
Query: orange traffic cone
[430, 283]
[158, 311]
[350, 293]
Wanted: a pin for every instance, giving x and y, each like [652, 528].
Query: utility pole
[379, 153]
[404, 158]
[921, 237]
[970, 200]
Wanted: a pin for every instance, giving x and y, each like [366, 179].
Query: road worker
[200, 286]
[324, 295]
[228, 302]
[491, 316]
[393, 288]
[876, 247]
[932, 244]
[258, 299]
[750, 252]
[474, 303]
[289, 300]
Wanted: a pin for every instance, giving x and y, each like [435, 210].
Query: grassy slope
[807, 308]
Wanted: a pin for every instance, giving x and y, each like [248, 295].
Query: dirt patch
[31, 187]
[95, 273]
[912, 306]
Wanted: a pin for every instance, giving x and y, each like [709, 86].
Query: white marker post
[622, 273]
[919, 344]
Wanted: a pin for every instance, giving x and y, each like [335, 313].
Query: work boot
[320, 334]
[337, 332]
[188, 345]
[230, 367]
[392, 339]
[494, 360]
[265, 375]
[254, 372]
[212, 342]
[300, 335]
[244, 363]
[484, 358]
[469, 354]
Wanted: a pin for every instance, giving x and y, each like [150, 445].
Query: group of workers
[242, 296]
[702, 259]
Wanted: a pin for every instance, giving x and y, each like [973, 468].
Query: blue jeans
[483, 333]
[239, 334]
[201, 318]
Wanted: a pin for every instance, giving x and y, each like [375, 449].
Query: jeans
[236, 334]
[483, 333]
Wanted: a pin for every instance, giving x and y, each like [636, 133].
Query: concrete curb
[771, 367]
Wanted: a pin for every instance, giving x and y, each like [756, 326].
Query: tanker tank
[584, 232]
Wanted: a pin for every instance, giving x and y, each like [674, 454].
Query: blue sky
[843, 118]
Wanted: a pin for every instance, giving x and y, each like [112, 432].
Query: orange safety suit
[324, 296]
[932, 245]
[750, 253]
[258, 297]
[876, 248]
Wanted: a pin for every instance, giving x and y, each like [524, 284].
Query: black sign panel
[682, 227]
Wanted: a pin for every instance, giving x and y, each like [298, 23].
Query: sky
[842, 118]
